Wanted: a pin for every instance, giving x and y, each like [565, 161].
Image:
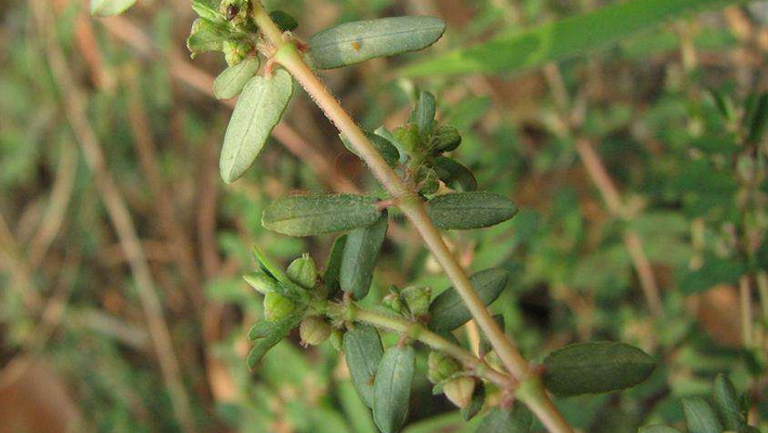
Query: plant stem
[420, 333]
[412, 206]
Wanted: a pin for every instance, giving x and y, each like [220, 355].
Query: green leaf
[423, 114]
[261, 329]
[363, 352]
[586, 368]
[206, 35]
[359, 259]
[284, 20]
[207, 9]
[715, 270]
[106, 8]
[476, 404]
[231, 82]
[700, 416]
[727, 404]
[758, 119]
[570, 37]
[354, 42]
[392, 388]
[257, 112]
[272, 336]
[448, 310]
[385, 148]
[319, 214]
[657, 429]
[499, 420]
[454, 174]
[333, 266]
[469, 210]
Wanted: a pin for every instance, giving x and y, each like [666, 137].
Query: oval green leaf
[363, 352]
[319, 214]
[586, 368]
[727, 404]
[354, 42]
[359, 259]
[517, 420]
[257, 112]
[454, 174]
[333, 266]
[106, 8]
[448, 310]
[476, 404]
[423, 114]
[284, 21]
[392, 388]
[386, 149]
[231, 82]
[700, 417]
[469, 210]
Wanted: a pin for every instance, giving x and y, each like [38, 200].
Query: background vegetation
[640, 169]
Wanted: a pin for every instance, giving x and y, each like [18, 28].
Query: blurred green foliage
[675, 114]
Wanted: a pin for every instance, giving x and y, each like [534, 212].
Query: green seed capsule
[417, 299]
[303, 271]
[459, 391]
[235, 52]
[445, 139]
[277, 306]
[261, 282]
[440, 367]
[314, 330]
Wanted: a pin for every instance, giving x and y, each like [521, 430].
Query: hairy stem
[288, 56]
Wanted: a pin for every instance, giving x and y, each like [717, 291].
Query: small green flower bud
[235, 11]
[303, 271]
[392, 300]
[440, 367]
[337, 339]
[408, 137]
[429, 187]
[445, 139]
[459, 391]
[276, 306]
[261, 282]
[314, 330]
[417, 299]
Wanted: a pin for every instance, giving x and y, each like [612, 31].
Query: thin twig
[51, 316]
[163, 200]
[745, 301]
[14, 263]
[74, 100]
[609, 192]
[57, 207]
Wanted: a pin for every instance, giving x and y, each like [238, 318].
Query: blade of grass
[559, 40]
